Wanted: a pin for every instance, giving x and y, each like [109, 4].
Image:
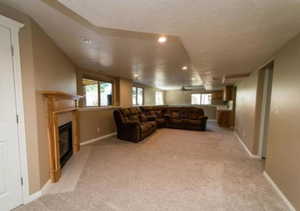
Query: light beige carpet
[171, 170]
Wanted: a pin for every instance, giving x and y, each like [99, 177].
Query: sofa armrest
[204, 117]
[203, 122]
[132, 131]
[132, 125]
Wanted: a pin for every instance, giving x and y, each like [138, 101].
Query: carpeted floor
[171, 170]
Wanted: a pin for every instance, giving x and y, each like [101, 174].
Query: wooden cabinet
[217, 97]
[225, 118]
[228, 93]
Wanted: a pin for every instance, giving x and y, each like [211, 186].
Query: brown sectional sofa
[136, 123]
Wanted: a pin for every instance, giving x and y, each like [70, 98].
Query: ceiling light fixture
[184, 68]
[162, 39]
[86, 41]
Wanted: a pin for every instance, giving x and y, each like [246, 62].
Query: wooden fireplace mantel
[58, 103]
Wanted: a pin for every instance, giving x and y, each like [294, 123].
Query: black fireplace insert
[65, 143]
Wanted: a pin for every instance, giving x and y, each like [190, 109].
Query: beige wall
[283, 148]
[283, 151]
[149, 94]
[177, 97]
[95, 122]
[53, 71]
[43, 66]
[124, 88]
[248, 109]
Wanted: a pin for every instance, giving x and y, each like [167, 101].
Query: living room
[163, 117]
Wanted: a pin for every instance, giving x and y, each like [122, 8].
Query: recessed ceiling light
[86, 41]
[184, 68]
[162, 39]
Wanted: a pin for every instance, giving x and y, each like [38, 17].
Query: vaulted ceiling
[213, 38]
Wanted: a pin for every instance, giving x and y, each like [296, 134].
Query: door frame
[264, 116]
[14, 28]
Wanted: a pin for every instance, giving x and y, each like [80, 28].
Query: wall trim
[245, 147]
[32, 197]
[38, 194]
[280, 193]
[97, 139]
[10, 23]
[45, 187]
[15, 27]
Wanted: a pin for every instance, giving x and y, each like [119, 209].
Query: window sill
[96, 108]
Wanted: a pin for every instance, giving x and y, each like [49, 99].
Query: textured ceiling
[221, 37]
[215, 38]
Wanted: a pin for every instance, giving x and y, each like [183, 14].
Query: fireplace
[65, 143]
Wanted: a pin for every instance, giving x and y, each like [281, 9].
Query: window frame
[136, 97]
[201, 97]
[99, 81]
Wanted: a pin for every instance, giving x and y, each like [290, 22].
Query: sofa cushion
[145, 126]
[176, 121]
[143, 118]
[174, 114]
[194, 115]
[134, 117]
[158, 113]
[125, 111]
[184, 114]
[135, 110]
[160, 122]
[192, 122]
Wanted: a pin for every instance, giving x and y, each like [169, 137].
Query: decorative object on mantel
[58, 103]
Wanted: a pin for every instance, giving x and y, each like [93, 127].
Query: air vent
[234, 77]
[193, 88]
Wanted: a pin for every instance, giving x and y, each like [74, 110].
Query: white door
[10, 183]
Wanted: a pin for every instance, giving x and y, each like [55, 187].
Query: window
[137, 96]
[91, 92]
[105, 94]
[97, 93]
[159, 98]
[201, 99]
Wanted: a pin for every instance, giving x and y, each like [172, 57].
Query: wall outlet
[98, 130]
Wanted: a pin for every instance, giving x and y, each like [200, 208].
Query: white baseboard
[97, 139]
[45, 187]
[281, 194]
[246, 148]
[37, 194]
[32, 197]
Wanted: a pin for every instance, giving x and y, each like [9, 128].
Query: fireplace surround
[59, 103]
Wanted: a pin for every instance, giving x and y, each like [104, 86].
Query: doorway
[12, 142]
